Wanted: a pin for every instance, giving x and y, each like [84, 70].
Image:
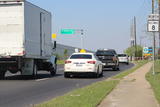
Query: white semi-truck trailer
[25, 38]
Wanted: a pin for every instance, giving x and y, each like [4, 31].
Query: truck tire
[2, 75]
[101, 74]
[116, 68]
[53, 71]
[97, 75]
[66, 75]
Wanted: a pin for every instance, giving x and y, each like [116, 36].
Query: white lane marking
[42, 79]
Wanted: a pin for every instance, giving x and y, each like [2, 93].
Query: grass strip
[60, 62]
[89, 96]
[154, 80]
[127, 72]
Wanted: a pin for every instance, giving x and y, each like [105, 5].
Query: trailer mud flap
[28, 67]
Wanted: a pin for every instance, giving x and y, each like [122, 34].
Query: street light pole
[82, 33]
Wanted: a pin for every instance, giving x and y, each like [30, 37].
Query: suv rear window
[109, 53]
[81, 56]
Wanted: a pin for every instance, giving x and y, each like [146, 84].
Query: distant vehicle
[109, 58]
[83, 63]
[25, 39]
[123, 58]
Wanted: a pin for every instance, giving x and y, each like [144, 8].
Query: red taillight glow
[91, 62]
[67, 62]
[22, 53]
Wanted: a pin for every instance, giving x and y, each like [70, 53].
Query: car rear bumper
[80, 73]
[109, 65]
[123, 62]
[79, 69]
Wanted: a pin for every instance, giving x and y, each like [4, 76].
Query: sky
[106, 23]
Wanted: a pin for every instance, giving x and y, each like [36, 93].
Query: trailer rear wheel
[52, 71]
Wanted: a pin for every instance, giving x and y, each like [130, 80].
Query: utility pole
[152, 6]
[159, 24]
[131, 39]
[131, 35]
[154, 41]
[135, 36]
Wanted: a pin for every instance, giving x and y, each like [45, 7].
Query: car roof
[83, 53]
[105, 49]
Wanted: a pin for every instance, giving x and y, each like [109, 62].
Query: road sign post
[153, 26]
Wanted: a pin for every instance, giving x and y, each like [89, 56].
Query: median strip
[91, 95]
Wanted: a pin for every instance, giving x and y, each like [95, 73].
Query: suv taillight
[114, 58]
[67, 62]
[91, 62]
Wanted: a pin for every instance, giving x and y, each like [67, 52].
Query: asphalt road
[18, 91]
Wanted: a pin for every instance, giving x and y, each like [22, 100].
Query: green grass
[89, 96]
[60, 62]
[138, 65]
[154, 80]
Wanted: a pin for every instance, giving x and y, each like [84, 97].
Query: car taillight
[67, 62]
[91, 62]
[114, 58]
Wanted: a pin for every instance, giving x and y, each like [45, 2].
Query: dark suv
[109, 58]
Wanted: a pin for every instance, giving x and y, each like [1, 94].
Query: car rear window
[109, 53]
[81, 56]
[122, 55]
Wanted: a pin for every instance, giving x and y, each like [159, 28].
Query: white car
[123, 58]
[83, 63]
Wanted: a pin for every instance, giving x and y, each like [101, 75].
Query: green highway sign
[67, 31]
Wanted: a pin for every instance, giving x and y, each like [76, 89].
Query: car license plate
[111, 64]
[79, 65]
[104, 64]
